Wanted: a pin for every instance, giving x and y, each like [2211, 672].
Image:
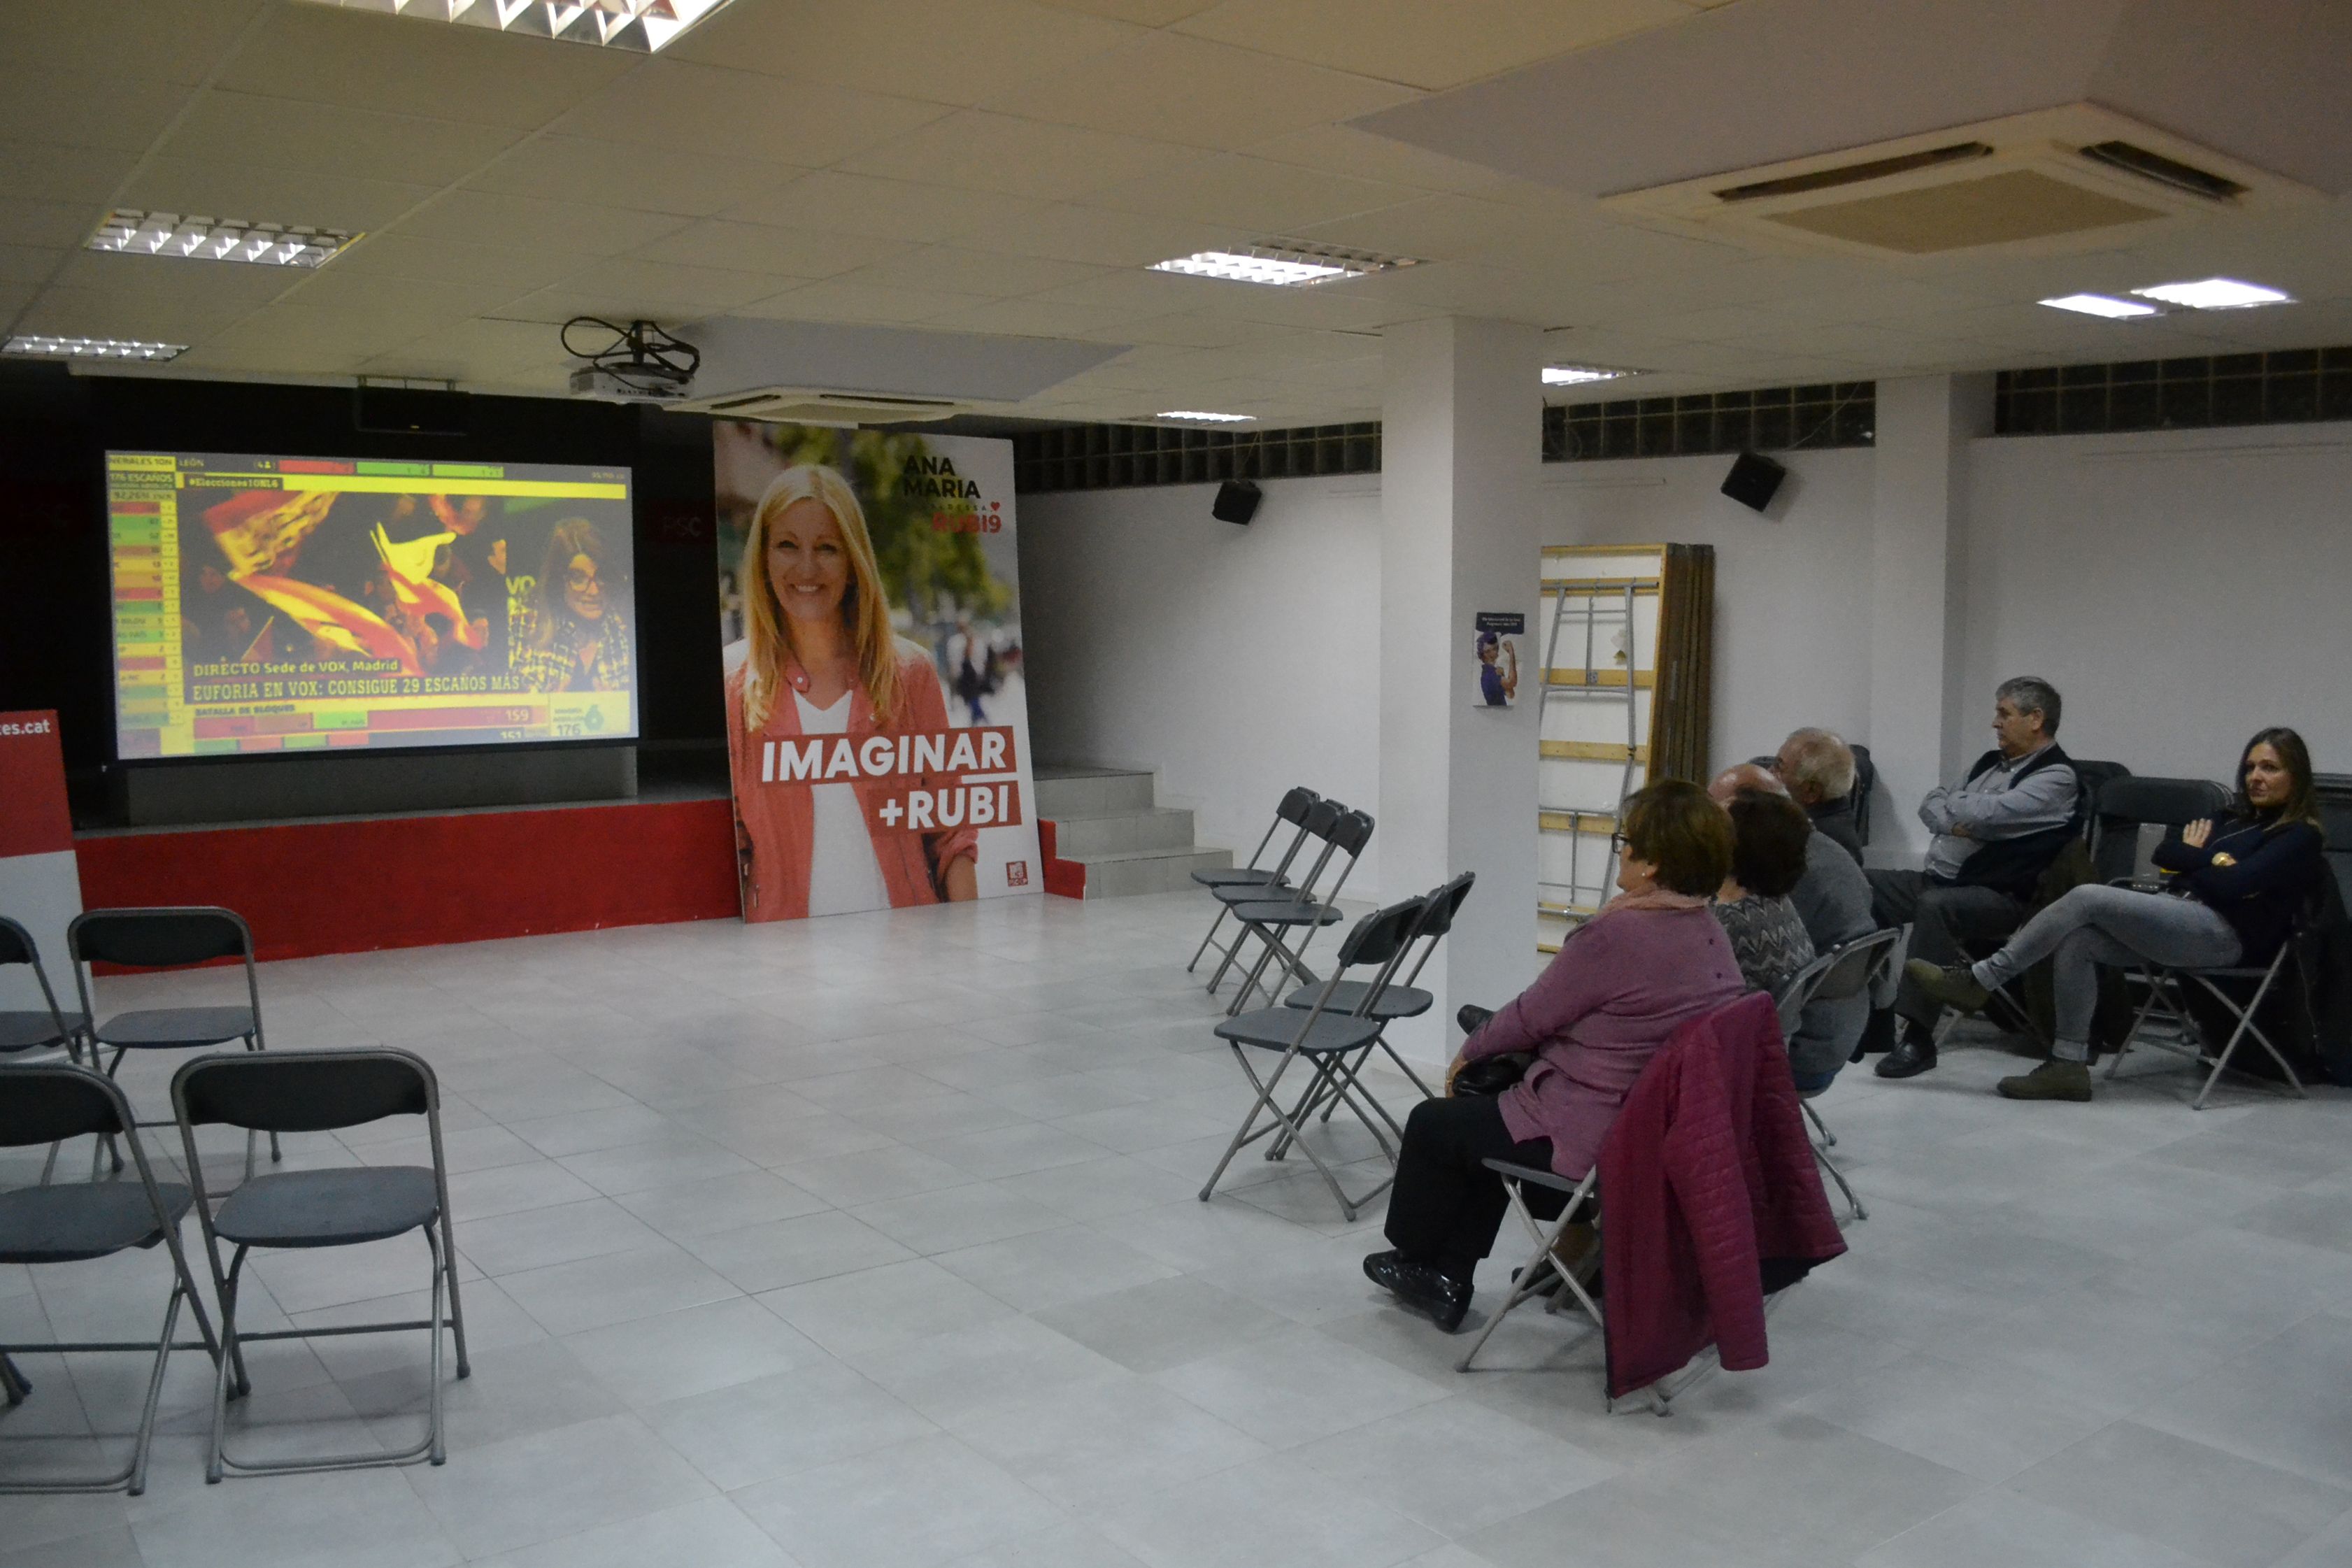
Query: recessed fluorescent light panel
[2215, 294]
[40, 346]
[1577, 374]
[136, 233]
[642, 25]
[1205, 418]
[2100, 305]
[1281, 265]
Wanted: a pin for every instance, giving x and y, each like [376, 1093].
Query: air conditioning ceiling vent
[2048, 182]
[806, 405]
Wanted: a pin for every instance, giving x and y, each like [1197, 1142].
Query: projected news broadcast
[272, 603]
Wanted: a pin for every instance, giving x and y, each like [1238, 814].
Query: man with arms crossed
[1994, 833]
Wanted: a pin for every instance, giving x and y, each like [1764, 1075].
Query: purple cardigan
[1595, 1016]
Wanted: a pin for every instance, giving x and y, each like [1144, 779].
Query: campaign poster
[877, 733]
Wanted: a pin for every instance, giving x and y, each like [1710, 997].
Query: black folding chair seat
[33, 1031]
[1286, 912]
[1277, 1029]
[1230, 893]
[175, 1028]
[329, 1208]
[1396, 1002]
[86, 1220]
[1240, 877]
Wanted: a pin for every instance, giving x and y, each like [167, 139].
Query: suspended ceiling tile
[49, 172]
[961, 271]
[1142, 13]
[74, 110]
[239, 130]
[221, 189]
[1720, 326]
[296, 340]
[1070, 233]
[1147, 294]
[1344, 149]
[29, 264]
[616, 174]
[1426, 46]
[694, 108]
[424, 301]
[1179, 331]
[671, 285]
[1033, 318]
[1016, 156]
[490, 340]
[562, 230]
[449, 261]
[1173, 88]
[1251, 194]
[877, 208]
[1329, 308]
[839, 300]
[359, 60]
[942, 51]
[796, 253]
[178, 279]
[70, 311]
[178, 42]
[1430, 228]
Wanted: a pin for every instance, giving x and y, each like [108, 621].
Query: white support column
[1461, 447]
[1918, 600]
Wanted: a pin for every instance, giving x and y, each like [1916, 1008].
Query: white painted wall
[1237, 661]
[1792, 588]
[2182, 589]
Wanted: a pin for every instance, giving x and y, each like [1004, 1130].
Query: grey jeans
[2093, 925]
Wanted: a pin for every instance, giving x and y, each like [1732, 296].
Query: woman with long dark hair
[2235, 886]
[574, 637]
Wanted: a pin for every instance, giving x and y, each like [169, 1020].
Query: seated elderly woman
[1621, 983]
[1768, 859]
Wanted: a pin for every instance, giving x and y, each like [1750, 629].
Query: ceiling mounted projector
[636, 363]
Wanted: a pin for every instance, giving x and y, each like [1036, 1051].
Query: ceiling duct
[2050, 181]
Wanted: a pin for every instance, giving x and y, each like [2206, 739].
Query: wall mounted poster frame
[878, 728]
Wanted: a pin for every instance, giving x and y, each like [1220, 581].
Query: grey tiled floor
[873, 1241]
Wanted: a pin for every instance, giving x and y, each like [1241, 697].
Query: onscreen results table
[280, 709]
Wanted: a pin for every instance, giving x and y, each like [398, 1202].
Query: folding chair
[2129, 805]
[26, 1033]
[1541, 1274]
[167, 939]
[1402, 998]
[1293, 810]
[47, 1102]
[1329, 1039]
[320, 1092]
[2167, 1004]
[1847, 970]
[1322, 818]
[1302, 910]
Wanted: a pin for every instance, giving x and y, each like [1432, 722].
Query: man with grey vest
[1994, 833]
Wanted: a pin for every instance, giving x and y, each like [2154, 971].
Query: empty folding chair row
[274, 1092]
[35, 1032]
[1268, 917]
[1291, 813]
[1333, 1028]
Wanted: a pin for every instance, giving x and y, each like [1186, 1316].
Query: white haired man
[1816, 767]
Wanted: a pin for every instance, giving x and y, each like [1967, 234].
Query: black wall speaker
[411, 411]
[1754, 480]
[1236, 501]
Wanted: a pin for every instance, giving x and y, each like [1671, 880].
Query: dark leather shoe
[1418, 1286]
[1877, 1036]
[1909, 1059]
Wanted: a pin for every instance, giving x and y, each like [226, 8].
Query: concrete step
[1075, 789]
[1128, 873]
[1159, 827]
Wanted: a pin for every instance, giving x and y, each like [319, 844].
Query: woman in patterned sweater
[1767, 857]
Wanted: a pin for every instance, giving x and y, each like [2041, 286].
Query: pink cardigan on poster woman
[780, 820]
[1615, 994]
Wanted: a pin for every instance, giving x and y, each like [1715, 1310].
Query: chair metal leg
[1829, 1138]
[12, 1385]
[1535, 1277]
[1221, 913]
[2246, 1026]
[1852, 1202]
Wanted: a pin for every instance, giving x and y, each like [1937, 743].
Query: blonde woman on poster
[820, 658]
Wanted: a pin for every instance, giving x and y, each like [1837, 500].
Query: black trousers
[1941, 915]
[1446, 1207]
